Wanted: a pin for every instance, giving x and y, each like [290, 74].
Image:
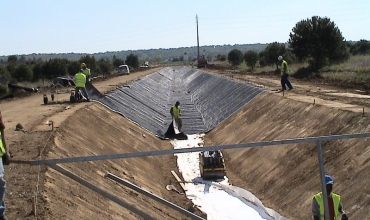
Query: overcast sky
[93, 26]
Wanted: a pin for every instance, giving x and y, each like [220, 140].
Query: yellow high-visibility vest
[320, 200]
[86, 71]
[2, 148]
[80, 80]
[176, 111]
[282, 69]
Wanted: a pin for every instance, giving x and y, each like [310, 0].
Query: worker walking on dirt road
[334, 201]
[4, 153]
[284, 74]
[86, 71]
[176, 114]
[80, 81]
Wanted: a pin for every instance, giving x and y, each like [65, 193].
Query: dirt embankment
[83, 129]
[109, 133]
[283, 177]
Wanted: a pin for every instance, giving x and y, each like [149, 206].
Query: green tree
[235, 57]
[22, 59]
[89, 61]
[251, 58]
[37, 72]
[59, 67]
[117, 62]
[5, 76]
[132, 61]
[157, 59]
[270, 54]
[73, 67]
[319, 41]
[360, 47]
[221, 57]
[12, 59]
[105, 67]
[54, 68]
[11, 67]
[3, 89]
[23, 73]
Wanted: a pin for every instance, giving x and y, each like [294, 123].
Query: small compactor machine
[212, 165]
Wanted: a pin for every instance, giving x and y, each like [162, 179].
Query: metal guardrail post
[52, 162]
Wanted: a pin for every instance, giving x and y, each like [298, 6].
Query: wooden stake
[34, 205]
[178, 179]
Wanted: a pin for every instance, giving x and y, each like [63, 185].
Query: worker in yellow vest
[86, 71]
[4, 153]
[80, 81]
[334, 202]
[284, 74]
[176, 114]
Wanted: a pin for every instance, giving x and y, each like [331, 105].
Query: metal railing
[52, 162]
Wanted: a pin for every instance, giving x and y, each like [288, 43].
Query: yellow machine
[212, 165]
[202, 63]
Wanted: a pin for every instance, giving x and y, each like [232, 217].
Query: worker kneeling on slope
[80, 81]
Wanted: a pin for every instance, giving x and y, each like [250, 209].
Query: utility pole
[197, 37]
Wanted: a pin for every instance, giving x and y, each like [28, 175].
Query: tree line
[317, 41]
[160, 55]
[33, 71]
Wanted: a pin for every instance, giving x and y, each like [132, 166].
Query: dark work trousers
[285, 81]
[84, 93]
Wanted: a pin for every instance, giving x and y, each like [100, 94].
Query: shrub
[3, 90]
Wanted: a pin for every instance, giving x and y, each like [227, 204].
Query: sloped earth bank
[284, 177]
[83, 129]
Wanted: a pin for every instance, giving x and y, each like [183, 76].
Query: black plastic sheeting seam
[205, 99]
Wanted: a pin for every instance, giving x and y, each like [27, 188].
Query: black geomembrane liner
[205, 99]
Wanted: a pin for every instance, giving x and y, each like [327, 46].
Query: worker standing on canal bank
[334, 201]
[284, 74]
[4, 153]
[176, 114]
[86, 71]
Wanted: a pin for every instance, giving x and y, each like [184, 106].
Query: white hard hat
[280, 58]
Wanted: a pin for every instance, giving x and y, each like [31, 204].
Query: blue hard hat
[81, 70]
[329, 179]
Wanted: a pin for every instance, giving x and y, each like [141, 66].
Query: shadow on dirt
[59, 103]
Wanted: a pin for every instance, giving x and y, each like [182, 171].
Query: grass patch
[357, 64]
[356, 69]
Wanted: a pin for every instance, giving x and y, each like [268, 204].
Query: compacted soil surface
[283, 177]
